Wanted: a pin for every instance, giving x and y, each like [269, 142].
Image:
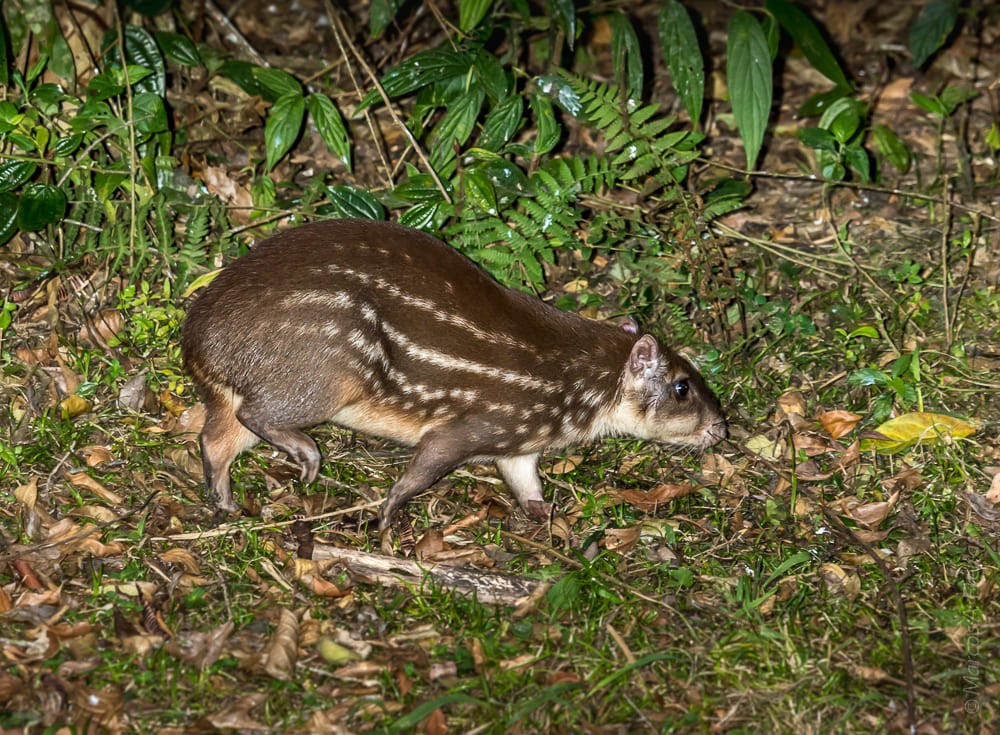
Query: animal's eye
[681, 389]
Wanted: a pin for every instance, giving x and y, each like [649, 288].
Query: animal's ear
[645, 358]
[628, 325]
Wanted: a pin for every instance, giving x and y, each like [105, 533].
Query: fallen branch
[489, 588]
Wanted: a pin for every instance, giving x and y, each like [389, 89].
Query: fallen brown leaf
[839, 423]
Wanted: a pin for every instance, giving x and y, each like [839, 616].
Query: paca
[389, 331]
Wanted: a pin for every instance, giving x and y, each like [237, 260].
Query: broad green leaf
[549, 130]
[380, 14]
[509, 181]
[471, 13]
[457, 124]
[951, 97]
[479, 192]
[418, 188]
[683, 55]
[104, 85]
[422, 216]
[818, 103]
[242, 72]
[929, 104]
[748, 71]
[909, 429]
[843, 118]
[817, 138]
[8, 216]
[14, 173]
[276, 83]
[931, 29]
[490, 73]
[808, 38]
[889, 145]
[178, 48]
[149, 113]
[284, 123]
[48, 97]
[564, 12]
[857, 158]
[421, 69]
[68, 145]
[40, 205]
[626, 55]
[351, 202]
[331, 126]
[141, 50]
[502, 122]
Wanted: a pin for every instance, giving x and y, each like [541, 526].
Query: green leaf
[479, 192]
[149, 113]
[818, 103]
[331, 126]
[242, 72]
[471, 13]
[68, 145]
[490, 73]
[564, 12]
[351, 202]
[380, 14]
[683, 55]
[40, 205]
[951, 97]
[14, 173]
[457, 124]
[141, 50]
[857, 158]
[421, 216]
[889, 145]
[931, 29]
[418, 188]
[626, 55]
[843, 118]
[421, 69]
[548, 129]
[748, 70]
[8, 216]
[806, 35]
[178, 48]
[817, 138]
[276, 83]
[104, 85]
[502, 122]
[284, 123]
[929, 104]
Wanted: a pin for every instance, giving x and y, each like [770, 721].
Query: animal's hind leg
[290, 439]
[222, 439]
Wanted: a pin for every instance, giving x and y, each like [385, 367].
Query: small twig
[945, 276]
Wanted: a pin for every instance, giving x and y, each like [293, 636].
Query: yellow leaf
[912, 428]
[73, 406]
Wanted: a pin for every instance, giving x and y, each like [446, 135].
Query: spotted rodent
[391, 332]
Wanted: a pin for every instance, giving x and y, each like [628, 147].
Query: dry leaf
[766, 447]
[653, 499]
[85, 482]
[283, 648]
[95, 455]
[810, 445]
[622, 540]
[567, 464]
[790, 404]
[838, 581]
[869, 515]
[73, 406]
[839, 423]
